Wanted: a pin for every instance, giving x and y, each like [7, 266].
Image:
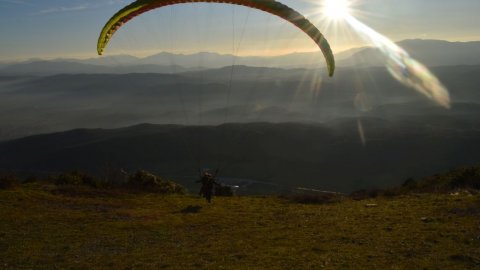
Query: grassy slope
[44, 229]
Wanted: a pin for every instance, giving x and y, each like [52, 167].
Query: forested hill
[343, 155]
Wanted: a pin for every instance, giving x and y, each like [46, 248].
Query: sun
[336, 9]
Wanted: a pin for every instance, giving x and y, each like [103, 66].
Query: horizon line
[150, 53]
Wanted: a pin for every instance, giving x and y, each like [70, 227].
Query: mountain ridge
[429, 52]
[30, 105]
[310, 154]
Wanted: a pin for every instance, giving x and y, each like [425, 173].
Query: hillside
[327, 156]
[47, 227]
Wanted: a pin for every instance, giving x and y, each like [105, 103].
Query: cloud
[79, 7]
[17, 2]
[64, 9]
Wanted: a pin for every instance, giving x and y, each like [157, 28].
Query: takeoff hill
[49, 227]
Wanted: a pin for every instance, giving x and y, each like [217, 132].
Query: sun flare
[336, 9]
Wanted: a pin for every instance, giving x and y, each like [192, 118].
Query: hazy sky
[69, 28]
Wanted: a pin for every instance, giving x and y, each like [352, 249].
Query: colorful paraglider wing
[271, 6]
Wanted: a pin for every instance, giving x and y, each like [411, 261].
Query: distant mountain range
[46, 68]
[33, 105]
[429, 52]
[432, 53]
[160, 63]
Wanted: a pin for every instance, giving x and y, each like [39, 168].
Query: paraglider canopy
[270, 6]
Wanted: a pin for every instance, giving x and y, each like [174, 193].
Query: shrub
[77, 178]
[145, 181]
[463, 178]
[74, 178]
[468, 178]
[460, 178]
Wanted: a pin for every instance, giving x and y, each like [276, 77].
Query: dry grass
[42, 228]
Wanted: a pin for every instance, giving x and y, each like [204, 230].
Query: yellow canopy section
[271, 6]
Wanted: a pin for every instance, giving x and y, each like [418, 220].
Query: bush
[141, 180]
[466, 178]
[8, 181]
[463, 178]
[145, 181]
[77, 178]
[74, 178]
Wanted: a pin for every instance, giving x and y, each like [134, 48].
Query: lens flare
[336, 9]
[404, 68]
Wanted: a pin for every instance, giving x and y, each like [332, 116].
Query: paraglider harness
[208, 183]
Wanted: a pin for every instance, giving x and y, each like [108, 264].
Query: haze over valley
[239, 134]
[326, 128]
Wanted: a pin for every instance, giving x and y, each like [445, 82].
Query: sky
[70, 28]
